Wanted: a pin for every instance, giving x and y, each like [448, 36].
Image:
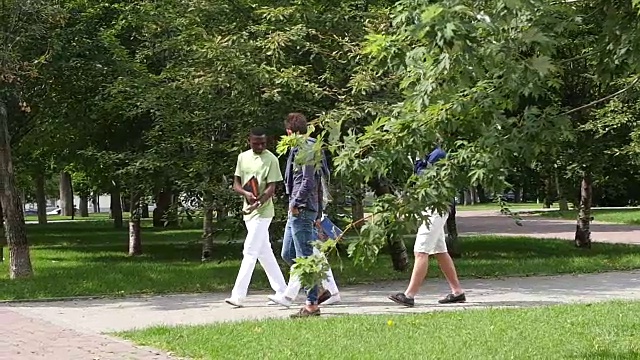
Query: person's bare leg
[420, 267]
[449, 270]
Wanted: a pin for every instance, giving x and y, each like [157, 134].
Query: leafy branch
[608, 97]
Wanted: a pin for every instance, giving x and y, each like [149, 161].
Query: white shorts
[431, 239]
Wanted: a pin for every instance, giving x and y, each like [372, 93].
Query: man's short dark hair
[258, 131]
[296, 122]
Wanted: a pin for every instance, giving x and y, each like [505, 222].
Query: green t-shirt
[266, 169]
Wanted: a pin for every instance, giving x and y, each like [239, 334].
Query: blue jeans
[298, 236]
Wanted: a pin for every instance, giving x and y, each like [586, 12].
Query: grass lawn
[598, 331]
[90, 258]
[620, 216]
[92, 216]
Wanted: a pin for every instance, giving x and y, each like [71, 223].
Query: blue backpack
[430, 159]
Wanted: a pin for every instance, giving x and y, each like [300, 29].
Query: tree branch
[580, 56]
[608, 97]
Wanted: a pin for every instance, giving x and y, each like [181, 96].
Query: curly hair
[296, 122]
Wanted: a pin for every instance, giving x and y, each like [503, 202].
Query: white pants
[258, 248]
[431, 239]
[294, 283]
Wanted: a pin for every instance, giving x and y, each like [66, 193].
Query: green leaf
[541, 64]
[534, 35]
[512, 4]
[431, 12]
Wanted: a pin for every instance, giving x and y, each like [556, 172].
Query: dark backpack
[436, 155]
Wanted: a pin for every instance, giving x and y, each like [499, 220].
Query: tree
[15, 229]
[483, 77]
[67, 207]
[23, 32]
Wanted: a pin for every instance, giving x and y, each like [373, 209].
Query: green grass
[92, 216]
[620, 216]
[598, 331]
[90, 258]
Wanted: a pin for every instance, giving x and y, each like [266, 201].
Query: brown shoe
[453, 299]
[303, 313]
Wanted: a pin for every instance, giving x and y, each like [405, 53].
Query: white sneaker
[280, 300]
[334, 299]
[233, 301]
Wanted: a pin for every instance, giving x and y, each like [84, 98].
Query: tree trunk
[95, 200]
[66, 194]
[163, 203]
[144, 205]
[23, 199]
[563, 204]
[357, 206]
[2, 237]
[116, 207]
[583, 231]
[41, 199]
[397, 248]
[482, 194]
[465, 197]
[135, 239]
[15, 228]
[125, 200]
[517, 194]
[207, 228]
[84, 206]
[473, 191]
[222, 213]
[453, 242]
[548, 192]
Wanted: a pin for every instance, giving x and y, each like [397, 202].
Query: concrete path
[108, 315]
[74, 329]
[493, 223]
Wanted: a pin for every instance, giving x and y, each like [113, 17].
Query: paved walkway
[72, 329]
[75, 329]
[492, 222]
[31, 337]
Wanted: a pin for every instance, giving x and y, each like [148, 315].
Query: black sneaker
[326, 295]
[452, 299]
[402, 299]
[303, 313]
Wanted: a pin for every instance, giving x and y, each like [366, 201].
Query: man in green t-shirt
[262, 165]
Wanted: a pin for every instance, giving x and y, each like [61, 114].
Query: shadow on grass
[129, 276]
[185, 246]
[101, 233]
[93, 260]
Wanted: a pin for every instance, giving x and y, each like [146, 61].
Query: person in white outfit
[261, 164]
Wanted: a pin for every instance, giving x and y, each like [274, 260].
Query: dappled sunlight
[87, 259]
